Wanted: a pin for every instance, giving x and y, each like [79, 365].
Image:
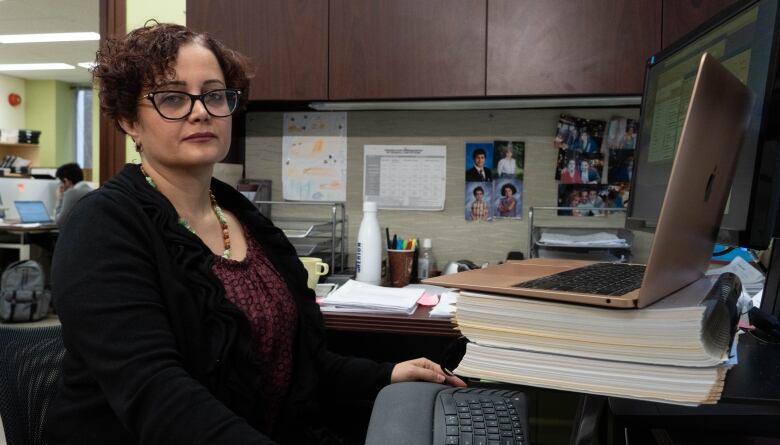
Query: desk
[386, 337]
[23, 243]
[749, 402]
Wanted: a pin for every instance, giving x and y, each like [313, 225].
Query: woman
[570, 174]
[506, 166]
[186, 315]
[507, 205]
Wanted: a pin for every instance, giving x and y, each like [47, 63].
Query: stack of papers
[354, 296]
[598, 239]
[676, 350]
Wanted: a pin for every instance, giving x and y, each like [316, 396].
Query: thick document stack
[354, 296]
[674, 351]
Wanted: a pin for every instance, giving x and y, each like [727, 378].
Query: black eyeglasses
[175, 105]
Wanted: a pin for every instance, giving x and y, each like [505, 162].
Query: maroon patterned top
[255, 286]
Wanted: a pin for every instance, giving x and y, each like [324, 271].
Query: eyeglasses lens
[177, 105]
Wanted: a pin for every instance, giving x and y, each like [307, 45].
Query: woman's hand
[425, 370]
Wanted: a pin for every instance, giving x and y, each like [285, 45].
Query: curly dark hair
[127, 66]
[509, 186]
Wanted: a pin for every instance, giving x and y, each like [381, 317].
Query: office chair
[30, 359]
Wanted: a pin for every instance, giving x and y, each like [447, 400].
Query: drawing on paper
[314, 156]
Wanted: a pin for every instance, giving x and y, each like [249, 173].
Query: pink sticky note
[428, 299]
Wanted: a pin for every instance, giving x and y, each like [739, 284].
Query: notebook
[32, 212]
[693, 206]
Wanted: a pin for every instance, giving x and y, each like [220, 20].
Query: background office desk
[16, 237]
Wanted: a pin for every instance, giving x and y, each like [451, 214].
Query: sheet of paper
[314, 157]
[742, 269]
[446, 307]
[405, 177]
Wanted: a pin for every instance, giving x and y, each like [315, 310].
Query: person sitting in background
[71, 189]
[186, 315]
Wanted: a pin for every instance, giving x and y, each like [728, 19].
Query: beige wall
[12, 117]
[453, 237]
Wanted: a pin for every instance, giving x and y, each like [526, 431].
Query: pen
[395, 241]
[387, 235]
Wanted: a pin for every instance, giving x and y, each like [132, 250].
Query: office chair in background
[30, 359]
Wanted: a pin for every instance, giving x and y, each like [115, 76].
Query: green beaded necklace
[217, 211]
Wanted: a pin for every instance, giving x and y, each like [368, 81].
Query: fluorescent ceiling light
[35, 66]
[51, 37]
[482, 104]
[86, 65]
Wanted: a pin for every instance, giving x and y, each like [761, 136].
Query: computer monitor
[745, 39]
[26, 189]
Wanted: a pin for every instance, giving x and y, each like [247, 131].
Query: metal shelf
[568, 226]
[313, 228]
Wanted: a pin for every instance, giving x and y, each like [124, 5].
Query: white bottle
[425, 261]
[369, 247]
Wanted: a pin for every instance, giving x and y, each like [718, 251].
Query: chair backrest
[30, 366]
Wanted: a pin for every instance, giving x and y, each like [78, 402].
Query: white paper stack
[354, 296]
[597, 239]
[676, 350]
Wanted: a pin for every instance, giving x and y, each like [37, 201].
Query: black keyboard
[480, 416]
[600, 278]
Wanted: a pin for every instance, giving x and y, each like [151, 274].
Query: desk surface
[17, 228]
[756, 378]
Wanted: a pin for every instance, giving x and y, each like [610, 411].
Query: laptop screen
[32, 211]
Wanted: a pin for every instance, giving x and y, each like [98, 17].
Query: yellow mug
[316, 268]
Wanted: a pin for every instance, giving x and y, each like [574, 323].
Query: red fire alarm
[14, 99]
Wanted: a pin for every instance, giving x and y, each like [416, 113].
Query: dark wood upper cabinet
[683, 16]
[407, 48]
[286, 39]
[563, 47]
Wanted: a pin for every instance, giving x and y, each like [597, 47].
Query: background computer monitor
[26, 189]
[745, 39]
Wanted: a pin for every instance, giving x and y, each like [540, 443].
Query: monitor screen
[32, 211]
[25, 189]
[743, 40]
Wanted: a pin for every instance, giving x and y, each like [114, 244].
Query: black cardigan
[155, 352]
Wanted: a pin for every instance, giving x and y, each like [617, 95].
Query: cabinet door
[563, 47]
[286, 39]
[683, 16]
[407, 48]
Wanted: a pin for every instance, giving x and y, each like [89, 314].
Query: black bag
[23, 296]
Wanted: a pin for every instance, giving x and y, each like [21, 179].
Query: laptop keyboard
[480, 416]
[601, 278]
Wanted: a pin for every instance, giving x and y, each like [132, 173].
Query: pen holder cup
[399, 267]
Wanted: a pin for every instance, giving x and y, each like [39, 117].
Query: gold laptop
[693, 206]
